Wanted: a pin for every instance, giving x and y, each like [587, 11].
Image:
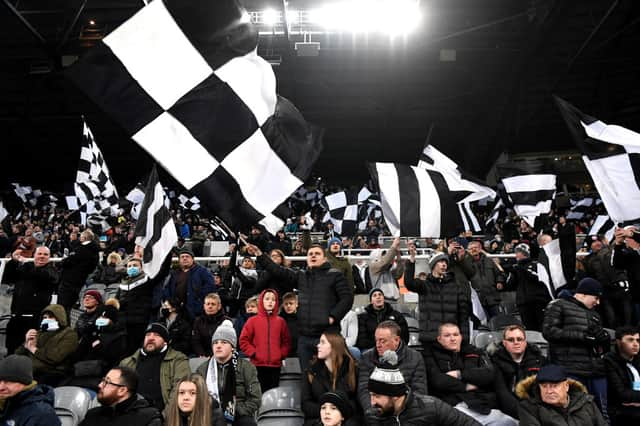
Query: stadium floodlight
[293, 17]
[270, 17]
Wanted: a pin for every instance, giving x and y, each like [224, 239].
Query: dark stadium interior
[376, 99]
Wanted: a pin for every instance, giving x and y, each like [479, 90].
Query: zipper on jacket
[268, 339]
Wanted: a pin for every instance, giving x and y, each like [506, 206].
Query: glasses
[108, 382]
[515, 339]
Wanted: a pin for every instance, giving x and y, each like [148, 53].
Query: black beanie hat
[160, 330]
[386, 379]
[17, 368]
[340, 400]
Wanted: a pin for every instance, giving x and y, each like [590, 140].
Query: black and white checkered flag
[612, 156]
[343, 212]
[94, 191]
[185, 81]
[189, 203]
[27, 194]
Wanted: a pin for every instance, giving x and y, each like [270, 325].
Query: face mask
[165, 312]
[132, 271]
[102, 322]
[49, 325]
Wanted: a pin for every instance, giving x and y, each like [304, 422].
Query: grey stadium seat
[72, 399]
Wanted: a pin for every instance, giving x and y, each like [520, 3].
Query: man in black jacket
[324, 297]
[374, 313]
[623, 377]
[462, 376]
[76, 268]
[486, 275]
[577, 340]
[626, 255]
[34, 282]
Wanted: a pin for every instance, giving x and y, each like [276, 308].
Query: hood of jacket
[40, 393]
[261, 310]
[528, 388]
[58, 312]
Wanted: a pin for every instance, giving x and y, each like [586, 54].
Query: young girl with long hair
[190, 404]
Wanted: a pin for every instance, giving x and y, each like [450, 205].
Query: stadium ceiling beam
[24, 21]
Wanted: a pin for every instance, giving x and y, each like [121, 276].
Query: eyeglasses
[515, 339]
[108, 382]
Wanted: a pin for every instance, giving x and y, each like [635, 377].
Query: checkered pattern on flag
[185, 81]
[342, 211]
[27, 194]
[155, 230]
[612, 156]
[416, 201]
[189, 203]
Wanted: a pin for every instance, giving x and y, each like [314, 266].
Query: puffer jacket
[620, 381]
[55, 348]
[422, 410]
[32, 406]
[136, 295]
[440, 300]
[582, 411]
[565, 323]
[485, 276]
[410, 364]
[475, 368]
[509, 374]
[203, 328]
[369, 320]
[524, 280]
[323, 292]
[33, 286]
[265, 337]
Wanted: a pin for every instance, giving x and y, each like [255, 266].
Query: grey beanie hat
[17, 368]
[225, 332]
[437, 258]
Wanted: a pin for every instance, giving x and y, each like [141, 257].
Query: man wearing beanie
[92, 303]
[22, 400]
[374, 313]
[334, 251]
[577, 340]
[158, 365]
[393, 402]
[232, 381]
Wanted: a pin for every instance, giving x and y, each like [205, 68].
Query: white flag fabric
[603, 226]
[550, 257]
[530, 194]
[3, 212]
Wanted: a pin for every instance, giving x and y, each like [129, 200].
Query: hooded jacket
[55, 348]
[265, 338]
[582, 411]
[369, 320]
[30, 407]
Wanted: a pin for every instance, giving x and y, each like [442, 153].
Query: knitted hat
[225, 332]
[340, 400]
[589, 286]
[373, 290]
[185, 250]
[17, 368]
[437, 258]
[334, 240]
[159, 329]
[551, 373]
[523, 248]
[386, 379]
[95, 294]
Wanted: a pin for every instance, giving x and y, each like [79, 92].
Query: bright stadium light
[270, 17]
[293, 17]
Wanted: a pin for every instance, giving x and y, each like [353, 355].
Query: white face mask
[48, 324]
[102, 322]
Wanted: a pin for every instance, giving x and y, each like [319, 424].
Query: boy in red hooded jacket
[265, 340]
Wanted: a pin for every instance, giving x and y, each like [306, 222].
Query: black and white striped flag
[612, 156]
[155, 230]
[417, 202]
[580, 208]
[550, 257]
[499, 212]
[530, 193]
[603, 226]
[186, 83]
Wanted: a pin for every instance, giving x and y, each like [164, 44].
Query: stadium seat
[290, 366]
[414, 341]
[194, 363]
[413, 324]
[536, 338]
[484, 338]
[501, 321]
[280, 401]
[111, 291]
[405, 310]
[287, 419]
[72, 399]
[67, 418]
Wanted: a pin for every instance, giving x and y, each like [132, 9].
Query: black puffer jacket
[599, 266]
[629, 260]
[323, 292]
[77, 267]
[203, 328]
[475, 368]
[422, 410]
[33, 286]
[369, 320]
[441, 300]
[485, 276]
[524, 280]
[620, 381]
[565, 323]
[509, 373]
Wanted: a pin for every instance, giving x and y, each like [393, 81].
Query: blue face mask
[48, 324]
[132, 271]
[102, 322]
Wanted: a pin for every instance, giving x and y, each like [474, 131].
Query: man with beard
[158, 366]
[120, 403]
[393, 402]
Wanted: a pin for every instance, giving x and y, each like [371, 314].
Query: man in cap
[393, 402]
[159, 366]
[577, 340]
[189, 284]
[623, 377]
[552, 398]
[441, 298]
[532, 295]
[232, 381]
[22, 400]
[374, 313]
[337, 261]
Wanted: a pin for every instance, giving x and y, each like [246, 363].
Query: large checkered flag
[416, 201]
[457, 180]
[155, 230]
[531, 193]
[185, 81]
[342, 211]
[612, 155]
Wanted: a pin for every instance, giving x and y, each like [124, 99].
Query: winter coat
[423, 410]
[203, 328]
[598, 266]
[179, 333]
[109, 274]
[323, 292]
[484, 279]
[55, 348]
[33, 286]
[199, 284]
[342, 264]
[582, 411]
[475, 368]
[620, 381]
[133, 411]
[410, 364]
[267, 280]
[248, 393]
[87, 319]
[317, 381]
[77, 267]
[174, 366]
[292, 326]
[565, 323]
[362, 282]
[509, 374]
[369, 320]
[461, 269]
[629, 260]
[524, 279]
[440, 300]
[265, 338]
[32, 407]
